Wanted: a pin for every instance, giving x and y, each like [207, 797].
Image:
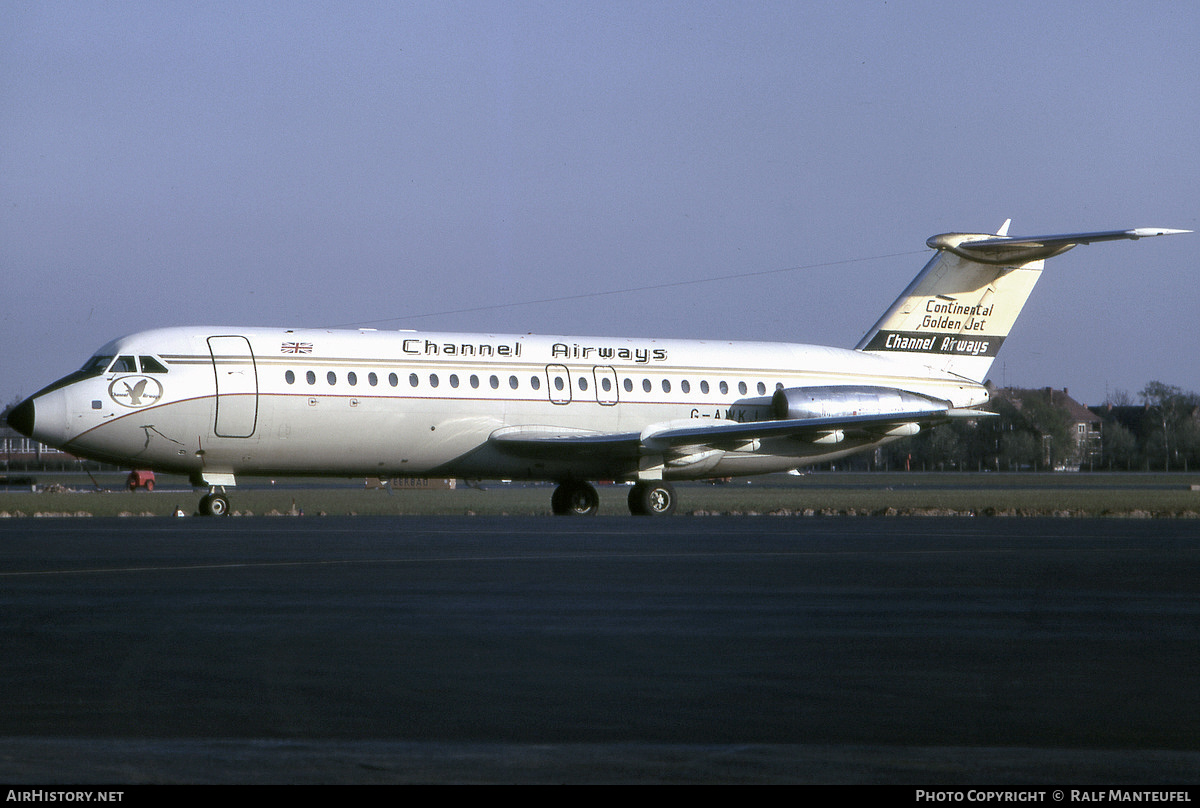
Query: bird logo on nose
[135, 391]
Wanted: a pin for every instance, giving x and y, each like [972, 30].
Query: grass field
[818, 494]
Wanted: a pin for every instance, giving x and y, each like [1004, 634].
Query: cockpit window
[124, 364]
[151, 365]
[95, 366]
[92, 368]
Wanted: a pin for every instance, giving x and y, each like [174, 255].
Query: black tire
[214, 505]
[575, 498]
[652, 499]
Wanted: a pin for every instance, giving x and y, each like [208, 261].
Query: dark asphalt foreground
[378, 650]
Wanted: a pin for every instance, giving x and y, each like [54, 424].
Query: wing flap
[723, 434]
[691, 437]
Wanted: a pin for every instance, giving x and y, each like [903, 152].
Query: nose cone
[20, 417]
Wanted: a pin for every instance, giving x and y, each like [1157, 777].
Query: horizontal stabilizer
[1006, 250]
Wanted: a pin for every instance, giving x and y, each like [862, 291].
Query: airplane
[221, 403]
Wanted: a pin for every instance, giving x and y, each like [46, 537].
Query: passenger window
[535, 382]
[704, 386]
[393, 379]
[724, 388]
[433, 380]
[512, 382]
[412, 380]
[742, 388]
[666, 385]
[310, 377]
[151, 365]
[352, 378]
[331, 377]
[474, 380]
[582, 383]
[494, 382]
[606, 383]
[290, 377]
[646, 385]
[685, 386]
[454, 380]
[629, 385]
[372, 379]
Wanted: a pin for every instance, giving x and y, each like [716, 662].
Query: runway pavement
[769, 649]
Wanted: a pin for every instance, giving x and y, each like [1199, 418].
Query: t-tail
[958, 311]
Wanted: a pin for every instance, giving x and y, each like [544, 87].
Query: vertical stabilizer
[958, 311]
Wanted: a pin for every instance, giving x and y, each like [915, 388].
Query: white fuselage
[262, 401]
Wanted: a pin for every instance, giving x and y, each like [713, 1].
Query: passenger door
[236, 385]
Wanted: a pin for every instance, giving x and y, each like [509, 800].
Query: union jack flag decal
[296, 347]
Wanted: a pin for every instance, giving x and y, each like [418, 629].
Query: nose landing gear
[214, 504]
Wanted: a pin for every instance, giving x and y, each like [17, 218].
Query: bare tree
[1173, 409]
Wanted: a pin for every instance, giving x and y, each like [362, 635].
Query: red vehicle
[140, 479]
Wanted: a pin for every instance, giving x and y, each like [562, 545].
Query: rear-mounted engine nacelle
[849, 401]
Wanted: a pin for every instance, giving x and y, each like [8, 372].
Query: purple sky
[404, 164]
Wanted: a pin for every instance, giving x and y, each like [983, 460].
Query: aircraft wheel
[575, 498]
[214, 505]
[652, 499]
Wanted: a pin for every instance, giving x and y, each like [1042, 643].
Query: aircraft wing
[557, 443]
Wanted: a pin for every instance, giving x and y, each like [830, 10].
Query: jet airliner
[222, 403]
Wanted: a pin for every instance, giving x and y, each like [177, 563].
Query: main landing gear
[652, 498]
[575, 498]
[646, 498]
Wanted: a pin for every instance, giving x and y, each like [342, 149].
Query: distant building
[16, 448]
[412, 483]
[19, 453]
[1071, 434]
